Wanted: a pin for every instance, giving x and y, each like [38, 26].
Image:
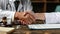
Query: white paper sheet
[44, 26]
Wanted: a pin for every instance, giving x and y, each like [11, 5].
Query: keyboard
[44, 26]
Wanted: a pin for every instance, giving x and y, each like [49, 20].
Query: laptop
[44, 26]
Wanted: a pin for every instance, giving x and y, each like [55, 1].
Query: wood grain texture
[6, 30]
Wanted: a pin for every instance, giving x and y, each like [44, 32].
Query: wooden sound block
[6, 30]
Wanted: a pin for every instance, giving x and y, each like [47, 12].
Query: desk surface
[6, 29]
[25, 30]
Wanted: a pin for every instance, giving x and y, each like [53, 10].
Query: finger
[26, 21]
[28, 18]
[32, 18]
[31, 15]
[21, 21]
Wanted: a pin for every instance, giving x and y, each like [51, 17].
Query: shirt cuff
[9, 15]
[12, 16]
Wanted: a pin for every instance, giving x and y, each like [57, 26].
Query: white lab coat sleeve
[58, 17]
[8, 14]
[51, 18]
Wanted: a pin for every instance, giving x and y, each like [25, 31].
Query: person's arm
[51, 18]
[8, 14]
[25, 18]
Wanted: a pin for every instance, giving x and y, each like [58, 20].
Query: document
[44, 26]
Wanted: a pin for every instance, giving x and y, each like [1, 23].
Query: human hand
[25, 17]
[30, 15]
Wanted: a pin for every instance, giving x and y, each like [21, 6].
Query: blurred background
[42, 6]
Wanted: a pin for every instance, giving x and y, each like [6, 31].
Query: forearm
[8, 14]
[50, 18]
[40, 16]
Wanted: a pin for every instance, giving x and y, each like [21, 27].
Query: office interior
[39, 6]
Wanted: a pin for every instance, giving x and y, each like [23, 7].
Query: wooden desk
[25, 30]
[6, 30]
